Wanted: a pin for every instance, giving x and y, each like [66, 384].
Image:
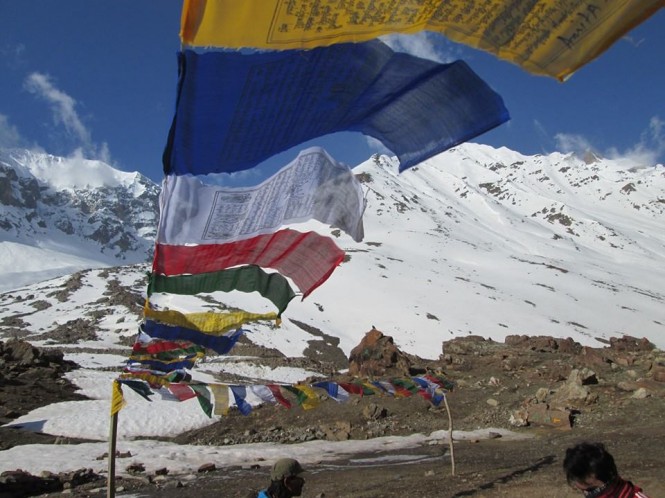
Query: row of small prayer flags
[216, 397]
[548, 37]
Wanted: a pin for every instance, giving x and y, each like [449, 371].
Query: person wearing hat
[285, 480]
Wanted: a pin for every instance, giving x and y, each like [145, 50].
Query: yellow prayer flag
[547, 37]
[220, 392]
[312, 400]
[117, 399]
[211, 323]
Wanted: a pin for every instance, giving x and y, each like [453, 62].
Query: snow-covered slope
[474, 241]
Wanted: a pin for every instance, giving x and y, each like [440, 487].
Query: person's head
[286, 478]
[589, 467]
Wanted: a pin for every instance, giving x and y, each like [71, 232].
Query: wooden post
[450, 435]
[113, 432]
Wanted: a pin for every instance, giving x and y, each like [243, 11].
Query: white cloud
[568, 142]
[9, 135]
[423, 44]
[649, 150]
[63, 109]
[645, 153]
[62, 105]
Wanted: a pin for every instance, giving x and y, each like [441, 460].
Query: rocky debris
[17, 356]
[377, 356]
[658, 373]
[135, 468]
[206, 467]
[30, 377]
[71, 332]
[572, 384]
[543, 343]
[525, 382]
[18, 483]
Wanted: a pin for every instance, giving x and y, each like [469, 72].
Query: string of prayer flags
[547, 37]
[215, 398]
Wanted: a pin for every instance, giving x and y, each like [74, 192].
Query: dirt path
[486, 468]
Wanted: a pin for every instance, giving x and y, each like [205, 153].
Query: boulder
[377, 356]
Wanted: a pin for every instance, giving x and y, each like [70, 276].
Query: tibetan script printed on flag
[313, 186]
[549, 37]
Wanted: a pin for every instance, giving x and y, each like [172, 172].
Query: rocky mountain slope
[75, 213]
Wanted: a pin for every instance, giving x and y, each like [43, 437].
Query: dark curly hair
[589, 459]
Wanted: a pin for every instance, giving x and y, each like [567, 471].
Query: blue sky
[97, 79]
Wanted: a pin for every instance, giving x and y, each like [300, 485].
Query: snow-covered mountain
[474, 241]
[60, 215]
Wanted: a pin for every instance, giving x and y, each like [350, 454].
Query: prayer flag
[239, 394]
[272, 286]
[203, 395]
[117, 399]
[192, 352]
[212, 323]
[220, 393]
[550, 37]
[235, 110]
[352, 388]
[221, 344]
[263, 393]
[312, 187]
[308, 259]
[138, 387]
[182, 391]
[277, 392]
[145, 345]
[305, 396]
[334, 390]
[163, 366]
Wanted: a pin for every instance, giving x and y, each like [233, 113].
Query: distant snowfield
[22, 265]
[475, 241]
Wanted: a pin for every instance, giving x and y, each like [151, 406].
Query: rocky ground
[553, 392]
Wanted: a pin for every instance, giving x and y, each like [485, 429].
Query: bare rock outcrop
[377, 356]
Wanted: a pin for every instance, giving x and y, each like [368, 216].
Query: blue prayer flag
[221, 344]
[236, 109]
